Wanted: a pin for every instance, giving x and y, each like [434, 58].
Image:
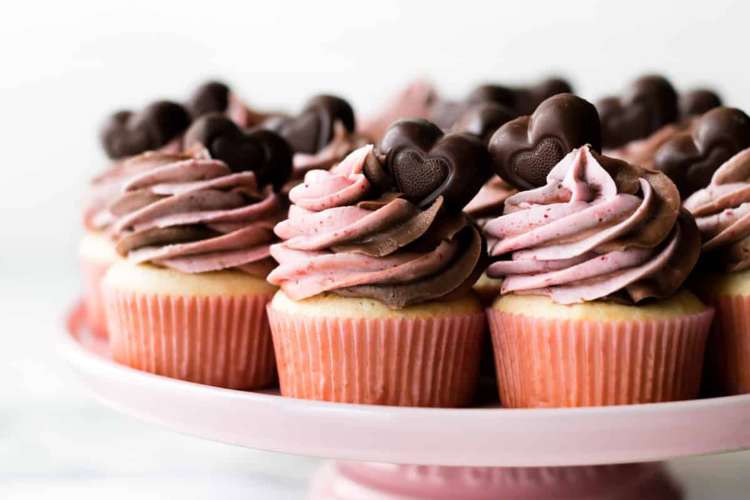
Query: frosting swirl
[722, 212]
[195, 215]
[342, 236]
[106, 186]
[342, 143]
[599, 229]
[643, 151]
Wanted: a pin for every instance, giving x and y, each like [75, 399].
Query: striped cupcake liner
[544, 362]
[431, 361]
[219, 341]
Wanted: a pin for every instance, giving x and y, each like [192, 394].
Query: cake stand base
[371, 481]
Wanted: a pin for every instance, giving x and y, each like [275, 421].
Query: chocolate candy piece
[126, 133]
[313, 128]
[647, 105]
[211, 97]
[483, 119]
[698, 101]
[691, 158]
[524, 150]
[261, 151]
[424, 163]
[522, 100]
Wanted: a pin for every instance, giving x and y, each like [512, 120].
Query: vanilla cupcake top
[722, 212]
[599, 229]
[209, 211]
[386, 223]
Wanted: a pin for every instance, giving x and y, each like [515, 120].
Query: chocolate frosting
[345, 236]
[722, 212]
[691, 157]
[599, 229]
[196, 215]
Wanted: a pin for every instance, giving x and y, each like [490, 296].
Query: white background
[65, 65]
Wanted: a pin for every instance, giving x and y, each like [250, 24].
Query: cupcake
[721, 211]
[188, 301]
[591, 311]
[124, 134]
[96, 250]
[321, 135]
[376, 266]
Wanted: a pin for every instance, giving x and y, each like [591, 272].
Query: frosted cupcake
[376, 268]
[125, 133]
[591, 311]
[721, 211]
[189, 300]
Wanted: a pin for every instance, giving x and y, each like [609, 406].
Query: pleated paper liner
[92, 273]
[430, 361]
[213, 340]
[728, 350]
[547, 362]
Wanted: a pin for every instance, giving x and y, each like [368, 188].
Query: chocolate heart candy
[524, 150]
[211, 97]
[522, 100]
[483, 119]
[698, 101]
[691, 158]
[424, 163]
[648, 104]
[261, 151]
[313, 128]
[126, 133]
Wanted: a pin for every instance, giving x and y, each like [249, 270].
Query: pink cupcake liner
[728, 350]
[219, 341]
[92, 273]
[545, 362]
[387, 361]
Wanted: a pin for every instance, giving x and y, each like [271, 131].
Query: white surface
[66, 64]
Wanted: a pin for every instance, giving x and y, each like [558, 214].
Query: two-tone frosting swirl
[197, 215]
[722, 212]
[342, 143]
[599, 229]
[343, 236]
[107, 186]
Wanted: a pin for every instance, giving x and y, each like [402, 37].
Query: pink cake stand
[478, 453]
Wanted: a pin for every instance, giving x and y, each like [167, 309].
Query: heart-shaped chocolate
[521, 100]
[690, 158]
[648, 104]
[424, 163]
[261, 151]
[126, 133]
[483, 119]
[698, 101]
[313, 128]
[210, 97]
[524, 150]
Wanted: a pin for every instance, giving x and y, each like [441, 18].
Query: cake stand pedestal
[487, 452]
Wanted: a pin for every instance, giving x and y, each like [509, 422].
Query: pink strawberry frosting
[600, 228]
[342, 237]
[195, 215]
[722, 212]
